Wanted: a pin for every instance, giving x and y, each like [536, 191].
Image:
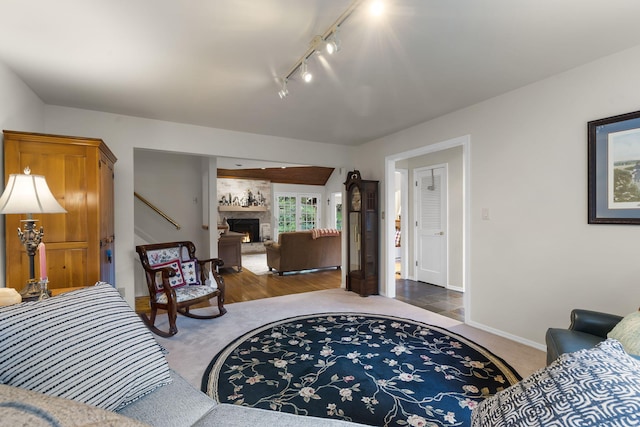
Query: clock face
[355, 199]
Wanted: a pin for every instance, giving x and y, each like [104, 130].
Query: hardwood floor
[246, 286]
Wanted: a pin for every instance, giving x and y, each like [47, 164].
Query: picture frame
[614, 169]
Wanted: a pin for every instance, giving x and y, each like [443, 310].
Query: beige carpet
[198, 341]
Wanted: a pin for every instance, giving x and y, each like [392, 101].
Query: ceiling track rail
[316, 42]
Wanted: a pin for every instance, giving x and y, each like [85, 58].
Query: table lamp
[29, 194]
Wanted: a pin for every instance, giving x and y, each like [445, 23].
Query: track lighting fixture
[283, 91]
[333, 43]
[306, 75]
[328, 41]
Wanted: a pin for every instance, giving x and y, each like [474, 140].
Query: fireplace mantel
[242, 208]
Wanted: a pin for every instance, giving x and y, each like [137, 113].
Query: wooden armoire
[79, 244]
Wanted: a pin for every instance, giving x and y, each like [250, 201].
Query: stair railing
[158, 211]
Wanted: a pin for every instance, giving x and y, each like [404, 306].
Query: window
[286, 213]
[297, 212]
[308, 213]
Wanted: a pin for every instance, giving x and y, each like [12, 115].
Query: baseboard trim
[507, 335]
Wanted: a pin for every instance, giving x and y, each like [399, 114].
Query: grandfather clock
[362, 232]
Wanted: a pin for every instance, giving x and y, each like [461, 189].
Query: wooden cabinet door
[69, 244]
[71, 168]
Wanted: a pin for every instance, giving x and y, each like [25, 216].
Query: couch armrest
[273, 254]
[593, 322]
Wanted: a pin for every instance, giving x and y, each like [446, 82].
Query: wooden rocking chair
[177, 280]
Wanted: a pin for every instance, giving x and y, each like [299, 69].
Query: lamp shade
[28, 194]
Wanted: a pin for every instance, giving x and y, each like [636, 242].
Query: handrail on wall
[158, 211]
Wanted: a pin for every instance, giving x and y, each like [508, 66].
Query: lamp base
[35, 291]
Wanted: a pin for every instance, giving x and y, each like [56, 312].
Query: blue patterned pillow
[87, 345]
[593, 387]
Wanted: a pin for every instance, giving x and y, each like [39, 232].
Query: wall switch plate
[485, 214]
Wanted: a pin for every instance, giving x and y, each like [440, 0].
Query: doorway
[401, 223]
[458, 268]
[335, 210]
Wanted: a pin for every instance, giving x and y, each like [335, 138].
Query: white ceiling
[216, 62]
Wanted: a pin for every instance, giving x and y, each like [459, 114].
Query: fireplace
[250, 227]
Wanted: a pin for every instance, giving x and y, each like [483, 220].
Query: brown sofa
[298, 250]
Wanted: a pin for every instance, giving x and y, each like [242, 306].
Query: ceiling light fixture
[319, 43]
[306, 75]
[333, 43]
[283, 91]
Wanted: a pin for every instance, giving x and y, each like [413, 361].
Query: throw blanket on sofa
[324, 232]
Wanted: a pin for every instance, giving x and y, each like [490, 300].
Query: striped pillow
[324, 232]
[87, 345]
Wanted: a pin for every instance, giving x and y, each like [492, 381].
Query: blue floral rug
[367, 368]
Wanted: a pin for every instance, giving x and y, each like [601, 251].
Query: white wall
[335, 184]
[20, 109]
[124, 133]
[173, 183]
[537, 258]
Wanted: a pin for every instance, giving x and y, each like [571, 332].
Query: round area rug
[367, 368]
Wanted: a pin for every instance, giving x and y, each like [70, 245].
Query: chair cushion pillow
[160, 256]
[187, 293]
[87, 345]
[175, 281]
[628, 333]
[191, 272]
[597, 387]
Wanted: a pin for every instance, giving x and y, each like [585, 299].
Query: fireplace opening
[250, 227]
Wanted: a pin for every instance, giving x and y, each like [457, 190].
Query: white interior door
[431, 225]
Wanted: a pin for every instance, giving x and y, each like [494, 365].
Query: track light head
[331, 47]
[332, 44]
[328, 40]
[306, 75]
[283, 90]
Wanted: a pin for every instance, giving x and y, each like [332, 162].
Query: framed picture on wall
[614, 169]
